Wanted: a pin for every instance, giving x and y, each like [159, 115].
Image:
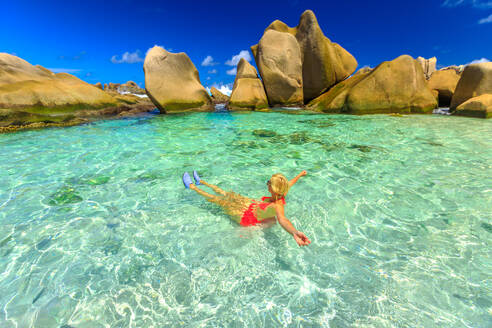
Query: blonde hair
[279, 185]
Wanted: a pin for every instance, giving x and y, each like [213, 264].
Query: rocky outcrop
[396, 86]
[457, 68]
[248, 92]
[131, 87]
[324, 63]
[480, 106]
[111, 87]
[363, 70]
[217, 96]
[444, 83]
[428, 65]
[128, 87]
[98, 85]
[476, 80]
[34, 97]
[335, 99]
[24, 86]
[279, 62]
[172, 82]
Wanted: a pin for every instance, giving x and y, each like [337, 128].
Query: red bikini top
[265, 205]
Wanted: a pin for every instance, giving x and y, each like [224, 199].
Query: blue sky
[106, 41]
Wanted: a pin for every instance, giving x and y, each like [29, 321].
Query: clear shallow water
[96, 229]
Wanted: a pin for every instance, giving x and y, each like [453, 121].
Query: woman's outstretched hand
[301, 239]
[303, 173]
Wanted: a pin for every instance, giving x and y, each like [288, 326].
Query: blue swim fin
[197, 178]
[187, 180]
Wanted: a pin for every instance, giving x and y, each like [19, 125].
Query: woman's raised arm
[293, 181]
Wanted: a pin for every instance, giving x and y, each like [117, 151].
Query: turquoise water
[96, 229]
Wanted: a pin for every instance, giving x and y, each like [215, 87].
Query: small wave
[441, 111]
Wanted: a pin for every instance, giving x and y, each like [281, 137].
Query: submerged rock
[248, 91]
[444, 83]
[475, 81]
[361, 148]
[264, 133]
[396, 86]
[486, 226]
[172, 82]
[324, 63]
[96, 180]
[299, 138]
[65, 195]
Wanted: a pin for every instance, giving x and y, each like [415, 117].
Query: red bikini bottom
[249, 217]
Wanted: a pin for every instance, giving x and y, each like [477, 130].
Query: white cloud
[232, 71]
[481, 4]
[212, 71]
[486, 20]
[224, 88]
[128, 58]
[65, 70]
[452, 3]
[478, 61]
[208, 61]
[236, 58]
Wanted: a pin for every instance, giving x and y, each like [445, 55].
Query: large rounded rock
[172, 82]
[334, 100]
[324, 63]
[34, 97]
[480, 106]
[279, 61]
[475, 80]
[396, 86]
[444, 83]
[248, 91]
[24, 86]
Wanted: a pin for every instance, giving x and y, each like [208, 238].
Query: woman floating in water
[247, 211]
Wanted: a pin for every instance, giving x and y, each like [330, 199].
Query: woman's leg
[203, 193]
[214, 188]
[234, 208]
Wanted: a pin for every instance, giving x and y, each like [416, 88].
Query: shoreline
[82, 117]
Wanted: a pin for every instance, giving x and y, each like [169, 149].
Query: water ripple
[96, 229]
